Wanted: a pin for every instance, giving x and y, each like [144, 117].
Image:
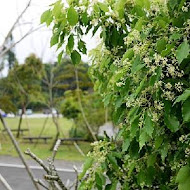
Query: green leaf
[107, 99]
[54, 39]
[111, 186]
[134, 127]
[171, 122]
[141, 176]
[57, 9]
[139, 24]
[46, 17]
[158, 142]
[140, 87]
[119, 7]
[126, 144]
[70, 2]
[156, 77]
[182, 51]
[82, 47]
[186, 110]
[100, 180]
[132, 113]
[137, 65]
[161, 45]
[148, 125]
[128, 54]
[114, 36]
[183, 96]
[164, 151]
[172, 3]
[88, 163]
[151, 160]
[84, 18]
[183, 178]
[143, 3]
[143, 138]
[168, 49]
[131, 168]
[75, 57]
[113, 161]
[103, 7]
[70, 43]
[72, 16]
[175, 36]
[60, 57]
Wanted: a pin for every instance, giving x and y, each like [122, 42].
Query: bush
[93, 108]
[141, 68]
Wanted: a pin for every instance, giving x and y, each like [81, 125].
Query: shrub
[141, 68]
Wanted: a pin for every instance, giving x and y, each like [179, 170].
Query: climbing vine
[141, 67]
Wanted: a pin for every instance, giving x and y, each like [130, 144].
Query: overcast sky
[38, 42]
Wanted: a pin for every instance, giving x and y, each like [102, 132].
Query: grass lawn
[66, 152]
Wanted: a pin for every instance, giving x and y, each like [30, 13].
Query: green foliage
[72, 16]
[46, 17]
[186, 110]
[182, 51]
[141, 69]
[93, 108]
[183, 178]
[22, 85]
[75, 57]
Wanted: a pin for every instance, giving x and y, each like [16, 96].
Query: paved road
[18, 178]
[15, 174]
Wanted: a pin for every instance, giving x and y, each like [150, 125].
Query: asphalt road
[18, 178]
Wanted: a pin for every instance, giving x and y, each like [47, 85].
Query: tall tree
[58, 78]
[22, 85]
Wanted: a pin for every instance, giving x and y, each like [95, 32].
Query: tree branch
[13, 45]
[4, 182]
[19, 152]
[15, 23]
[81, 107]
[38, 160]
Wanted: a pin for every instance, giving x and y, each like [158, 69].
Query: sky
[37, 42]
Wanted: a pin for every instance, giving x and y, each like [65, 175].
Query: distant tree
[64, 77]
[22, 84]
[93, 108]
[58, 78]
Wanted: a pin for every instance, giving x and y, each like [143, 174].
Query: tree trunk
[81, 108]
[42, 130]
[20, 121]
[58, 131]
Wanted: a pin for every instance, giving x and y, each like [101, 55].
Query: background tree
[94, 110]
[58, 78]
[22, 85]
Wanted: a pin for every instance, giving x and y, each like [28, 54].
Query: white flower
[185, 9]
[147, 60]
[168, 86]
[119, 84]
[171, 70]
[154, 117]
[178, 86]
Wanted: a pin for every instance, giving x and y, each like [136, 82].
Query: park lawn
[66, 152]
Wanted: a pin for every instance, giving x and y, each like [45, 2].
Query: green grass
[66, 152]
